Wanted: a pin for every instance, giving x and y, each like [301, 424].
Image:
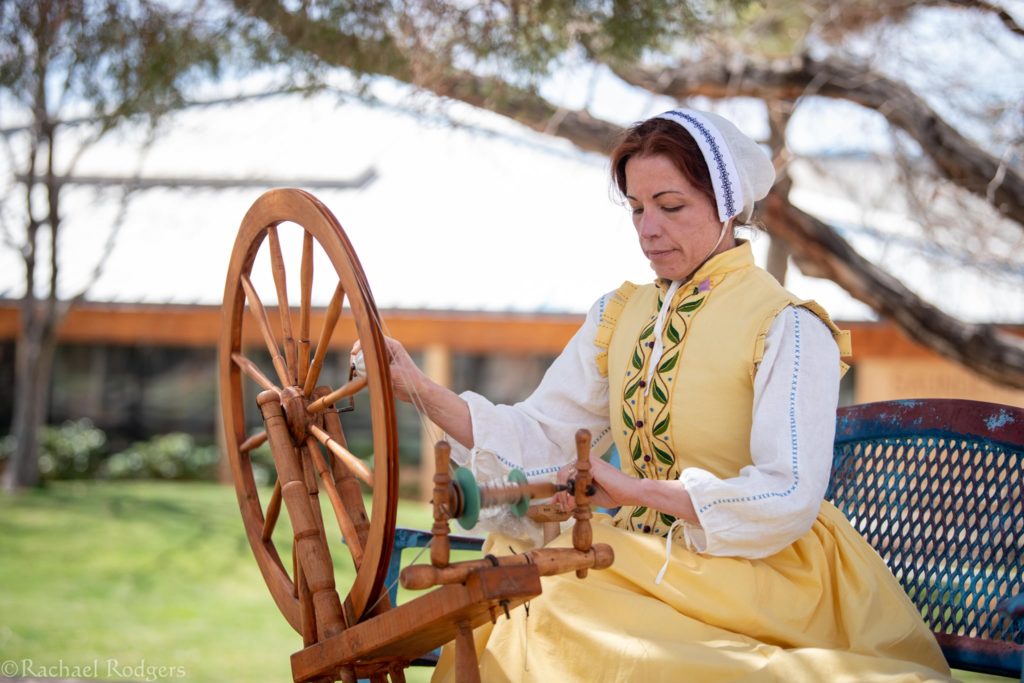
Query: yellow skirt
[824, 609]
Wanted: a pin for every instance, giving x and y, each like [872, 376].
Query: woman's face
[676, 223]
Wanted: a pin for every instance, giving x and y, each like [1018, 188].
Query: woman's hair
[662, 137]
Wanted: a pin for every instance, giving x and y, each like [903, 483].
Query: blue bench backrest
[936, 487]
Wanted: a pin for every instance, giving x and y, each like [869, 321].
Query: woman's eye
[637, 210]
[671, 209]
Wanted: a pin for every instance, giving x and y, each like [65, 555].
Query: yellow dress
[823, 608]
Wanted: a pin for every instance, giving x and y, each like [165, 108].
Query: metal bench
[935, 486]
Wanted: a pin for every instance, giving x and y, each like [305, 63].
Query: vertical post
[311, 551]
[466, 668]
[440, 546]
[437, 365]
[582, 535]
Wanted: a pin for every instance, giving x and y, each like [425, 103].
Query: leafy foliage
[73, 450]
[168, 456]
[114, 59]
[426, 42]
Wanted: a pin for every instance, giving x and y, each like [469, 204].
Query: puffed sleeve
[775, 500]
[538, 435]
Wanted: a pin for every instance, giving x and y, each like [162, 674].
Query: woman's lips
[658, 253]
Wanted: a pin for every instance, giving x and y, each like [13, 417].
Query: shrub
[72, 450]
[168, 456]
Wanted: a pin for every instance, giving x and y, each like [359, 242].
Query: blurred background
[463, 148]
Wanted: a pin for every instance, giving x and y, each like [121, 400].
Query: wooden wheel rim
[300, 207]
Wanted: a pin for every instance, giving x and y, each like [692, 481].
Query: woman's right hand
[567, 501]
[407, 380]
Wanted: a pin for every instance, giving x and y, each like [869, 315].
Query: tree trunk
[33, 365]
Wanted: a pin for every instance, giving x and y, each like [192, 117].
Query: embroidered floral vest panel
[696, 409]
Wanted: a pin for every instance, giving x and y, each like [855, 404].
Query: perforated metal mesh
[946, 516]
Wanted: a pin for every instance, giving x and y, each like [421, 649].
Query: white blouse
[796, 391]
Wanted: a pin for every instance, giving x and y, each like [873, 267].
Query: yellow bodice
[696, 410]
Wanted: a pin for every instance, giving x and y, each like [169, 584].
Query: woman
[719, 389]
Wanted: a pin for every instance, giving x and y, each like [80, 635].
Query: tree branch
[959, 160]
[994, 354]
[1008, 21]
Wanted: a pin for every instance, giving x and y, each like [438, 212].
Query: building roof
[468, 211]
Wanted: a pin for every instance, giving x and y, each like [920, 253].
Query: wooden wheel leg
[466, 668]
[396, 674]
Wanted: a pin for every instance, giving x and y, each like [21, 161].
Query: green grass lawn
[153, 573]
[150, 574]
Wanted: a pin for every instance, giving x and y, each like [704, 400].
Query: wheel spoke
[249, 368]
[307, 295]
[345, 525]
[254, 441]
[351, 388]
[273, 511]
[281, 284]
[356, 465]
[333, 312]
[256, 306]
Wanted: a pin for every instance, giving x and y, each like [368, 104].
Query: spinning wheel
[358, 633]
[307, 412]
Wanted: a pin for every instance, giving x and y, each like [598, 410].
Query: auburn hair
[655, 137]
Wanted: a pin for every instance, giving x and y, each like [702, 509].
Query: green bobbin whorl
[523, 504]
[470, 498]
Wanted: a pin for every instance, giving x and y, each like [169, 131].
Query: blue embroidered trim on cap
[723, 172]
[728, 198]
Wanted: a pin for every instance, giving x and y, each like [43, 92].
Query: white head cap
[741, 173]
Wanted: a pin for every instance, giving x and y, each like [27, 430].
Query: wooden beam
[458, 331]
[175, 325]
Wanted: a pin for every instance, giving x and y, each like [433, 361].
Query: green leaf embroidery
[666, 519]
[647, 332]
[639, 512]
[661, 427]
[636, 449]
[673, 334]
[665, 457]
[630, 390]
[628, 420]
[659, 395]
[691, 305]
[668, 363]
[638, 362]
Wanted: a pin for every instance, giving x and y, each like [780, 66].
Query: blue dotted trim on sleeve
[794, 461]
[723, 173]
[536, 471]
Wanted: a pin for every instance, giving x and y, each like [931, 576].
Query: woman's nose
[648, 225]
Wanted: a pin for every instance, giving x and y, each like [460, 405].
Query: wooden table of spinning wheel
[359, 633]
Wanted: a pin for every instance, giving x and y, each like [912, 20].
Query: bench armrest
[417, 538]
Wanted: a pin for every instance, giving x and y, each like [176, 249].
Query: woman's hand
[407, 380]
[410, 384]
[603, 496]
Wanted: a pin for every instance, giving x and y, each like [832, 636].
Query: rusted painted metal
[937, 487]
